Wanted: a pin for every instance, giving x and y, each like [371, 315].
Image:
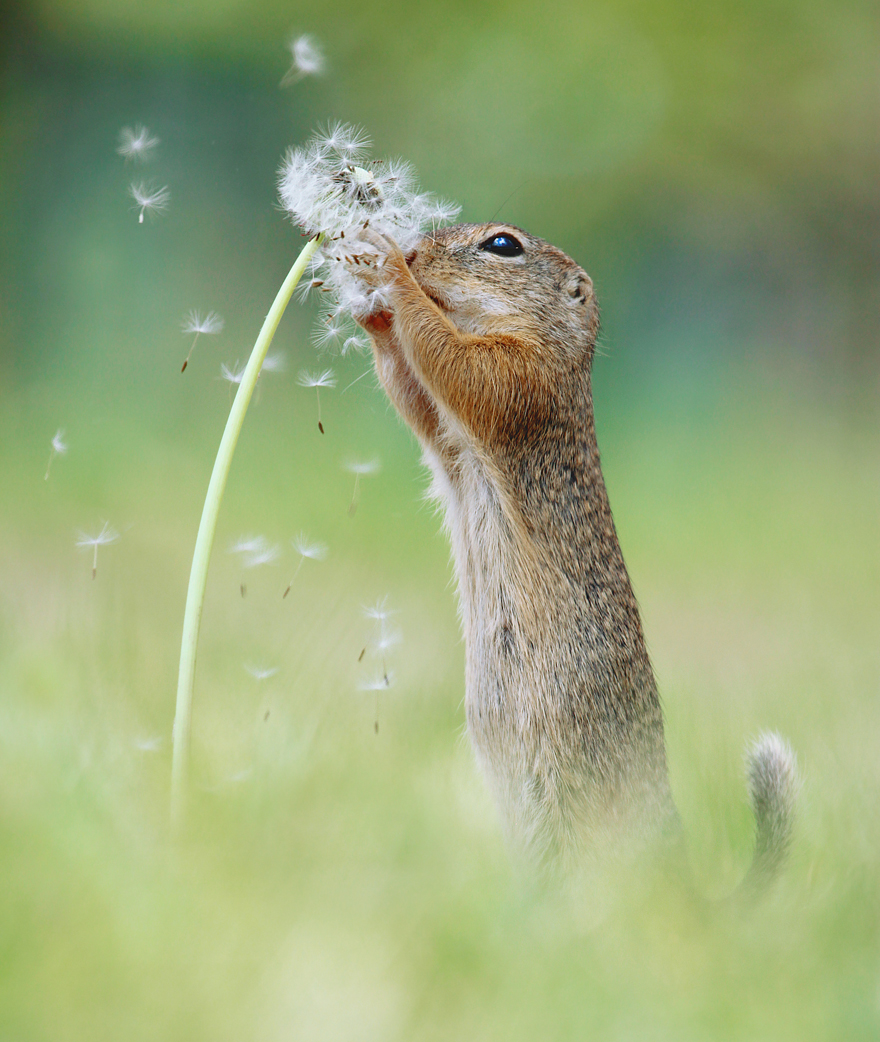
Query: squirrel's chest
[485, 553]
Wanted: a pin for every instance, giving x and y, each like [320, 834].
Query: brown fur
[488, 360]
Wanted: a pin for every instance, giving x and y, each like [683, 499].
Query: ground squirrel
[484, 343]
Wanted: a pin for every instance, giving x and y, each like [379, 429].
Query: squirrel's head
[496, 278]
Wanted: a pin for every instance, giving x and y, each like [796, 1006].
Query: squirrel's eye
[504, 245]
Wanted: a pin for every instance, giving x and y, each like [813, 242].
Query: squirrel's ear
[580, 287]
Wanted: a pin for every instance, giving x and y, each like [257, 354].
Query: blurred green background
[716, 169]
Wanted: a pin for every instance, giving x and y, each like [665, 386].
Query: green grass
[341, 884]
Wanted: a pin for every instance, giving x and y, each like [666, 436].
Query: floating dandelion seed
[261, 672]
[306, 57]
[148, 745]
[317, 380]
[248, 544]
[59, 448]
[149, 200]
[365, 469]
[378, 611]
[379, 683]
[324, 189]
[232, 374]
[255, 551]
[330, 331]
[195, 323]
[136, 143]
[355, 343]
[384, 641]
[274, 363]
[305, 549]
[105, 536]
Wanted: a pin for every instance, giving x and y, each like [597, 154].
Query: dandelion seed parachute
[106, 536]
[307, 59]
[361, 468]
[232, 374]
[274, 363]
[248, 544]
[136, 143]
[149, 199]
[324, 379]
[307, 550]
[386, 641]
[255, 551]
[260, 672]
[381, 682]
[59, 448]
[194, 323]
[148, 745]
[379, 610]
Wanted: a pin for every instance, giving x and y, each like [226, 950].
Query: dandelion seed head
[59, 445]
[307, 59]
[149, 199]
[324, 379]
[328, 186]
[136, 143]
[363, 468]
[195, 323]
[305, 548]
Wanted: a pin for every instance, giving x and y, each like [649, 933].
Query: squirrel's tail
[773, 788]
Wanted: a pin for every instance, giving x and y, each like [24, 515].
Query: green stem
[198, 576]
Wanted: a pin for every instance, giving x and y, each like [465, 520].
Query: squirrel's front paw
[371, 261]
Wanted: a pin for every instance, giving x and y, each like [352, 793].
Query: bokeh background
[715, 167]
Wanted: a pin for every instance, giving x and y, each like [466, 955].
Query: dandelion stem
[198, 578]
